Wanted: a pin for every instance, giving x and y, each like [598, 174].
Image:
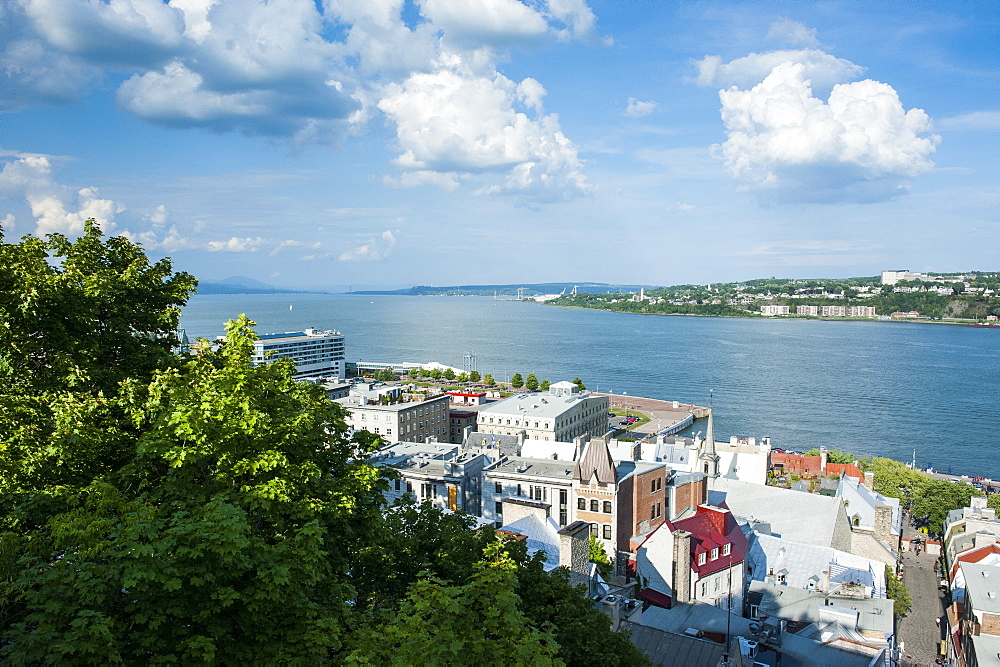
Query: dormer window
[715, 553]
[701, 558]
[727, 549]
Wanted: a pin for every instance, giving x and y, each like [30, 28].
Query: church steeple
[709, 457]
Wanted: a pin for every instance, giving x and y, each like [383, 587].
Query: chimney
[574, 551]
[869, 480]
[682, 566]
[822, 459]
[883, 524]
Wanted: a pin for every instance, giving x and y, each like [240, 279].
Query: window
[593, 529]
[658, 510]
[499, 508]
[607, 531]
[715, 553]
[652, 485]
[659, 483]
[652, 512]
[701, 558]
[594, 505]
[497, 487]
[727, 549]
[396, 484]
[581, 503]
[704, 588]
[717, 584]
[518, 489]
[607, 507]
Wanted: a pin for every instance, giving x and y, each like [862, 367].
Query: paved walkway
[918, 630]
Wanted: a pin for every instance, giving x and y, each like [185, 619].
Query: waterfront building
[833, 311]
[770, 310]
[861, 311]
[807, 310]
[562, 414]
[412, 421]
[785, 463]
[315, 353]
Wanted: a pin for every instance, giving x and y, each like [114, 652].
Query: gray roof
[982, 586]
[987, 649]
[801, 517]
[596, 461]
[548, 469]
[506, 445]
[795, 604]
[536, 405]
[801, 563]
[668, 648]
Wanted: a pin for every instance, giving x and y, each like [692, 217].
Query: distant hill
[529, 289]
[243, 285]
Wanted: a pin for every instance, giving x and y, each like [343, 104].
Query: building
[315, 353]
[812, 311]
[970, 527]
[785, 463]
[977, 636]
[771, 310]
[436, 472]
[410, 421]
[833, 311]
[875, 520]
[545, 481]
[563, 413]
[700, 558]
[861, 311]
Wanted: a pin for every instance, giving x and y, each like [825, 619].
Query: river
[883, 388]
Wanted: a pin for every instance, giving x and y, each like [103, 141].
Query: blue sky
[312, 144]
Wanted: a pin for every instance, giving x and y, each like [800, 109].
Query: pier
[666, 417]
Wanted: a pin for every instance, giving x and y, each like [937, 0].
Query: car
[624, 422]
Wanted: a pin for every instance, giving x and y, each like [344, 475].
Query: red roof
[973, 556]
[655, 598]
[713, 528]
[467, 394]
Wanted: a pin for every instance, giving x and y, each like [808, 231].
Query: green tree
[488, 380]
[478, 623]
[936, 497]
[600, 557]
[224, 507]
[474, 376]
[993, 501]
[898, 593]
[531, 382]
[83, 315]
[516, 381]
[414, 373]
[544, 386]
[448, 374]
[579, 383]
[463, 377]
[834, 456]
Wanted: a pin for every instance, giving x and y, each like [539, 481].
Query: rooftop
[982, 586]
[536, 404]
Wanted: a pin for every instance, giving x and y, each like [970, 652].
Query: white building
[861, 311]
[436, 472]
[561, 414]
[771, 310]
[833, 311]
[807, 310]
[315, 353]
[411, 421]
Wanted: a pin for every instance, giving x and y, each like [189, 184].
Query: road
[919, 630]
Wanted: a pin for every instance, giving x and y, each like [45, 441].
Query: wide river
[884, 388]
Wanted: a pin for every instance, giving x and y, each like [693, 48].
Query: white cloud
[453, 120]
[638, 109]
[821, 69]
[976, 120]
[447, 181]
[792, 32]
[237, 244]
[685, 208]
[55, 207]
[485, 21]
[375, 248]
[812, 252]
[8, 221]
[859, 146]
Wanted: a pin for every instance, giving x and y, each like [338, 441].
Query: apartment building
[410, 421]
[315, 353]
[561, 414]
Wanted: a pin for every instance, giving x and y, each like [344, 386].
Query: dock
[666, 417]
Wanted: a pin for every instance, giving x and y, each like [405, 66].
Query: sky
[322, 143]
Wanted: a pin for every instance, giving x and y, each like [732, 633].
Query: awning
[655, 598]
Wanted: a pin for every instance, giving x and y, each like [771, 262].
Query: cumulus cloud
[312, 72]
[454, 120]
[237, 244]
[638, 109]
[55, 207]
[792, 32]
[377, 247]
[860, 145]
[822, 69]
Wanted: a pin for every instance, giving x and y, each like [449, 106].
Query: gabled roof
[596, 462]
[711, 528]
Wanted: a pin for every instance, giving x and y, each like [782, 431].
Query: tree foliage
[531, 382]
[474, 376]
[516, 381]
[488, 380]
[579, 383]
[544, 386]
[600, 557]
[898, 593]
